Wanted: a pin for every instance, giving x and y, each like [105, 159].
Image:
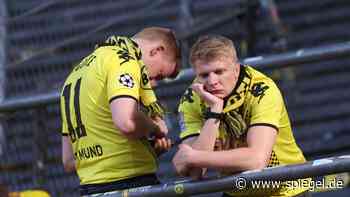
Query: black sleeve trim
[64, 134]
[122, 96]
[189, 136]
[264, 124]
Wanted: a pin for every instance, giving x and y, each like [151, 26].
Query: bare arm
[67, 155]
[206, 139]
[260, 141]
[208, 134]
[194, 172]
[130, 121]
[204, 142]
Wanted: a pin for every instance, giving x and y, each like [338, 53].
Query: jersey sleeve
[147, 94]
[268, 104]
[123, 75]
[190, 115]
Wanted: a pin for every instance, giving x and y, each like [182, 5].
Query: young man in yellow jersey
[233, 118]
[105, 135]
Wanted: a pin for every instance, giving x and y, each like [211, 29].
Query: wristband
[209, 114]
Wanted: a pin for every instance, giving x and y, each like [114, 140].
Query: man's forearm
[234, 160]
[206, 140]
[209, 132]
[129, 120]
[67, 154]
[142, 126]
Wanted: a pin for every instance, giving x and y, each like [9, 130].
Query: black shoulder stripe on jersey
[122, 96]
[189, 136]
[264, 124]
[64, 134]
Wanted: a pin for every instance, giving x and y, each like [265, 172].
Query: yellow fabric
[259, 101]
[30, 193]
[155, 109]
[102, 154]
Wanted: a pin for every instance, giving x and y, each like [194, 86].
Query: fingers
[198, 88]
[156, 118]
[162, 144]
[196, 173]
[158, 134]
[208, 97]
[165, 143]
[162, 126]
[183, 171]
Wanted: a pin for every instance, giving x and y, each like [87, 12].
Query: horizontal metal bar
[245, 180]
[293, 58]
[14, 104]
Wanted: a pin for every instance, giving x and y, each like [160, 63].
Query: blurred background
[41, 40]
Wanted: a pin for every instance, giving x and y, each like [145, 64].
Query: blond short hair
[167, 38]
[212, 47]
[164, 35]
[156, 33]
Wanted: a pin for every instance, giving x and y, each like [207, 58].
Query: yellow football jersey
[29, 193]
[257, 98]
[101, 152]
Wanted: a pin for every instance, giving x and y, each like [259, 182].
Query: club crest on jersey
[126, 80]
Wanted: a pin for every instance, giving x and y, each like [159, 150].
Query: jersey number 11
[79, 131]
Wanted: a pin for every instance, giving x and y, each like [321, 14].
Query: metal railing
[247, 180]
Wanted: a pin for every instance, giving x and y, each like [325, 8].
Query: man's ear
[156, 50]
